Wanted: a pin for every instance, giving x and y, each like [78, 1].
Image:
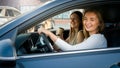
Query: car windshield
[0, 10]
[6, 16]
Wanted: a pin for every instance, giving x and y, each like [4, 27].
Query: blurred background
[23, 5]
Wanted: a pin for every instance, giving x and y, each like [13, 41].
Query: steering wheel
[32, 43]
[43, 43]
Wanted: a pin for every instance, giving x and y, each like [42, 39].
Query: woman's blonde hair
[101, 27]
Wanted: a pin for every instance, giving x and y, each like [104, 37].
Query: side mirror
[7, 53]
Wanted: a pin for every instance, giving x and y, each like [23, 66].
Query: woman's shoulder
[80, 31]
[98, 36]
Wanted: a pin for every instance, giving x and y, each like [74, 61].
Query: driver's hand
[48, 33]
[43, 30]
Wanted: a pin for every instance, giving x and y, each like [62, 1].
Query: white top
[94, 41]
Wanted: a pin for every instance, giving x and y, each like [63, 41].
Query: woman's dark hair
[80, 15]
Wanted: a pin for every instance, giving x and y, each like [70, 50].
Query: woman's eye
[84, 19]
[92, 19]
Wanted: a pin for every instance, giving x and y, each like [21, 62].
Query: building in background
[28, 5]
[11, 3]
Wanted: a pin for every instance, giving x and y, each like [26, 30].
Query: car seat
[112, 34]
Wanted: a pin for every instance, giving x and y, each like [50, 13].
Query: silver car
[7, 13]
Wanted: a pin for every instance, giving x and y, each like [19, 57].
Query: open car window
[53, 23]
[111, 32]
[31, 37]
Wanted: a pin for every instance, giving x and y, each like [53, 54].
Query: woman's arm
[67, 40]
[48, 33]
[94, 41]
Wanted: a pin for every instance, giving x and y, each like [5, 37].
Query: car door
[97, 58]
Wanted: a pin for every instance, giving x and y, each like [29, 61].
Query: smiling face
[74, 23]
[91, 22]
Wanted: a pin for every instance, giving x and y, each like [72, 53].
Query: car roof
[8, 7]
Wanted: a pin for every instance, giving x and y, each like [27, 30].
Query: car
[7, 13]
[19, 49]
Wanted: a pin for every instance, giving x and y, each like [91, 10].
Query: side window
[16, 13]
[53, 23]
[62, 20]
[9, 12]
[0, 10]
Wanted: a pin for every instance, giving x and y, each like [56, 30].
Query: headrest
[111, 15]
